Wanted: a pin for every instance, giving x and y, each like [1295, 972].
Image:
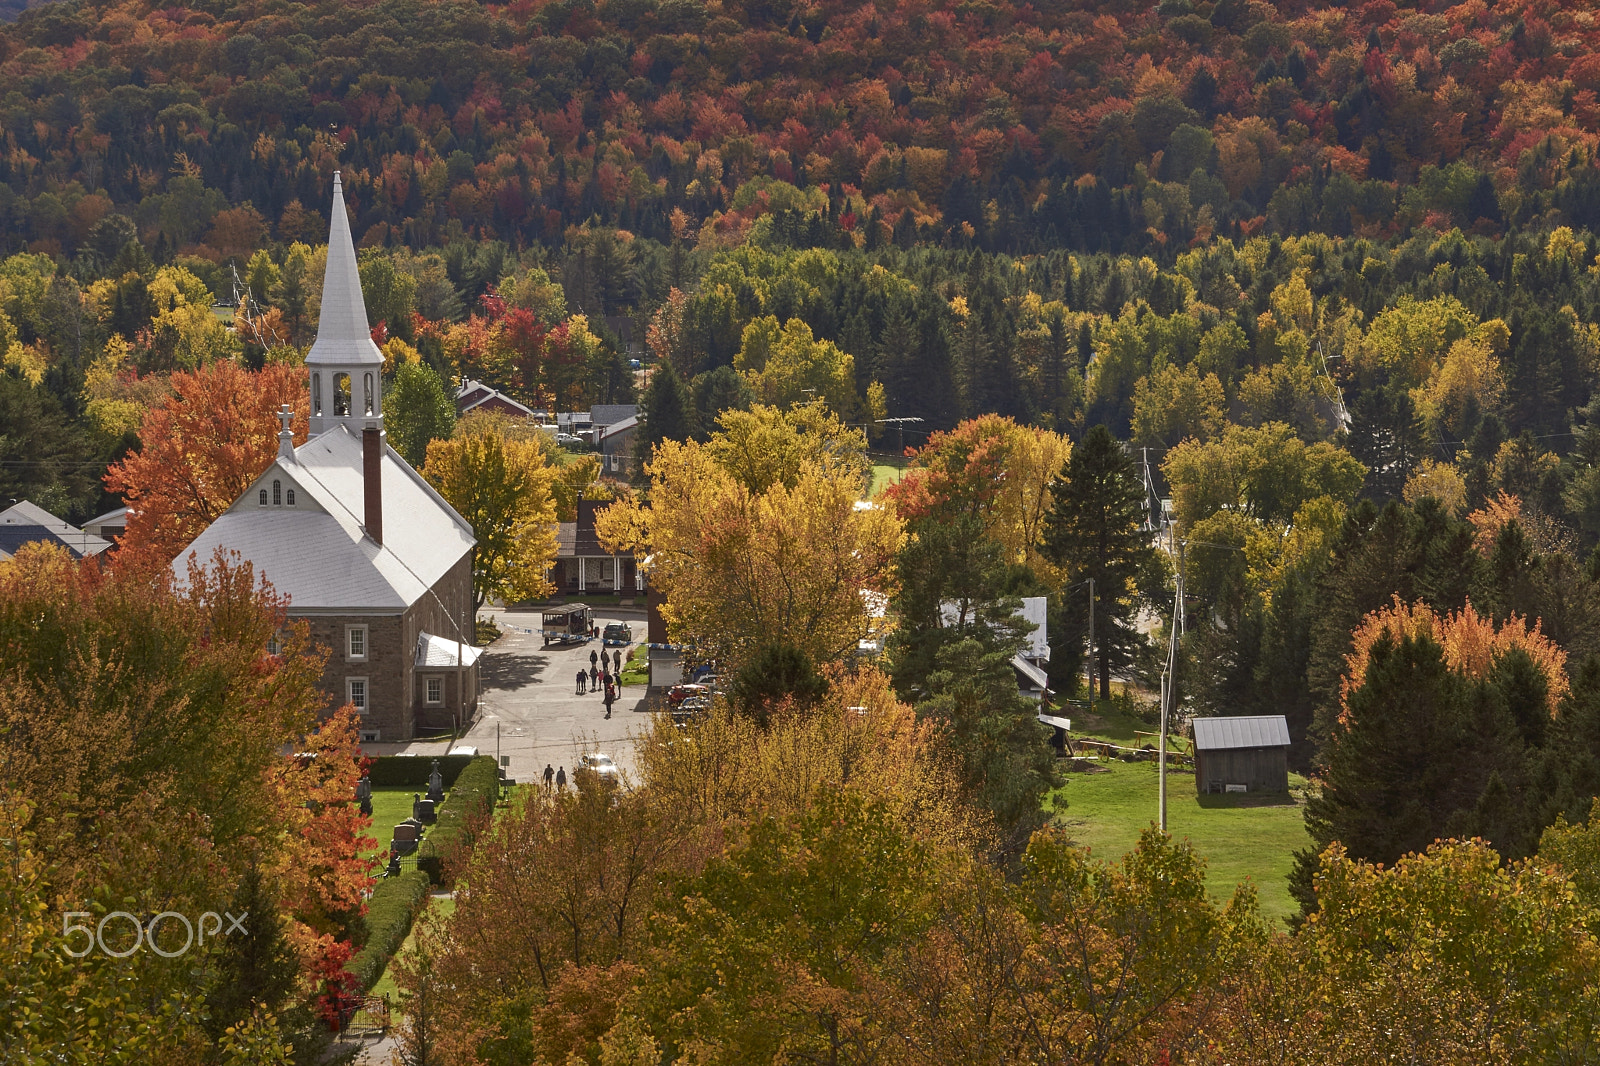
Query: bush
[394, 903]
[470, 801]
[411, 771]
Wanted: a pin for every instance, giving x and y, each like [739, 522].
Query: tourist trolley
[570, 624]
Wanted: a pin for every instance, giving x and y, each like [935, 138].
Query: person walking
[561, 779]
[582, 677]
[549, 776]
[593, 655]
[594, 678]
[611, 697]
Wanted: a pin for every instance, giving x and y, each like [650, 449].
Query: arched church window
[366, 392]
[277, 493]
[263, 497]
[341, 394]
[290, 496]
[316, 394]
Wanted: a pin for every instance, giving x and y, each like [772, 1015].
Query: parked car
[568, 440]
[678, 693]
[599, 763]
[617, 633]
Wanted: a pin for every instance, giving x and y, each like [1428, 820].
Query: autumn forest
[1310, 289]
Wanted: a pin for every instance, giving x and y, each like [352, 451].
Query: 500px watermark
[144, 932]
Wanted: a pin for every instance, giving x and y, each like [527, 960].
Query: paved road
[529, 691]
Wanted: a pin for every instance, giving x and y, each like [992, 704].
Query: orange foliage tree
[1472, 645]
[200, 449]
[321, 876]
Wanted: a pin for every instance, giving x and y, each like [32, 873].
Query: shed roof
[1262, 731]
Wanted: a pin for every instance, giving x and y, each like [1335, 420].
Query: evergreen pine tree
[668, 413]
[1093, 530]
[255, 968]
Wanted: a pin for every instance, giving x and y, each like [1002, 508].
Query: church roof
[344, 338]
[317, 551]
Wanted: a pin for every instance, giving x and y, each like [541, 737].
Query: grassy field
[886, 469]
[1242, 837]
[391, 805]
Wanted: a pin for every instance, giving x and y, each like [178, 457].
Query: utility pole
[1169, 687]
[1094, 675]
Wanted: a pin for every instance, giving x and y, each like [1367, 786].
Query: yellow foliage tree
[1176, 403]
[1442, 481]
[788, 365]
[1468, 380]
[502, 486]
[788, 562]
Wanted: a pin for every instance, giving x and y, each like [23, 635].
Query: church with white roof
[369, 555]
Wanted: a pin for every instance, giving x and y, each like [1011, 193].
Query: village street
[529, 692]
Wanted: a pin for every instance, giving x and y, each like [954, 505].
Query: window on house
[355, 693]
[277, 493]
[274, 645]
[356, 642]
[366, 390]
[435, 690]
[290, 497]
[263, 497]
[316, 394]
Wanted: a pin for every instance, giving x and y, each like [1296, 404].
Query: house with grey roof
[374, 560]
[28, 523]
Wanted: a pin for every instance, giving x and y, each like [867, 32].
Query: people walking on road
[549, 776]
[582, 680]
[561, 779]
[594, 678]
[611, 697]
[593, 655]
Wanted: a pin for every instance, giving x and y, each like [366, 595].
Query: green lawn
[886, 469]
[636, 667]
[391, 805]
[1241, 837]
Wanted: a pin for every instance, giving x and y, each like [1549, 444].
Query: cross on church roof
[285, 434]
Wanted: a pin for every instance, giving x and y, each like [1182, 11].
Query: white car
[599, 763]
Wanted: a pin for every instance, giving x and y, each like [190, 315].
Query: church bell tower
[346, 367]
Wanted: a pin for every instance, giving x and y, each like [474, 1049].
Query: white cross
[285, 416]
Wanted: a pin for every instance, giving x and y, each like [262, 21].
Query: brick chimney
[372, 480]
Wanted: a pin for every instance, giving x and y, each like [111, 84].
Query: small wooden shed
[1241, 754]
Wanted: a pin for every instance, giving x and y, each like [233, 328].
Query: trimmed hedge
[411, 771]
[473, 795]
[394, 903]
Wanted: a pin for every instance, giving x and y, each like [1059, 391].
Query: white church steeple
[346, 367]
